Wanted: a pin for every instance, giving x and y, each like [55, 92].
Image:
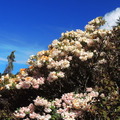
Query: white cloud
[111, 18]
[22, 52]
[3, 59]
[21, 55]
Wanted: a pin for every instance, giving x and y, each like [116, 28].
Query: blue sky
[29, 26]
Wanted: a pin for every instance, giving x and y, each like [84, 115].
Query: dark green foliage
[107, 78]
[6, 115]
[54, 115]
[9, 68]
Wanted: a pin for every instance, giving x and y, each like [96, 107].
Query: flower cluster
[95, 24]
[62, 64]
[73, 43]
[6, 82]
[28, 82]
[55, 75]
[69, 106]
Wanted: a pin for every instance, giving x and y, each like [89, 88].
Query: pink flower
[52, 76]
[26, 84]
[57, 102]
[31, 107]
[20, 115]
[41, 80]
[47, 117]
[35, 86]
[47, 110]
[41, 102]
[64, 105]
[60, 74]
[24, 110]
[93, 94]
[89, 89]
[26, 119]
[33, 115]
[76, 103]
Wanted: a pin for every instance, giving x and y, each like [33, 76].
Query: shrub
[76, 78]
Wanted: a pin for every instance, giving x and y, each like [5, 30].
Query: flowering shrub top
[80, 44]
[69, 106]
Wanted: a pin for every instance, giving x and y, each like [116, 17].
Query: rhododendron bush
[77, 78]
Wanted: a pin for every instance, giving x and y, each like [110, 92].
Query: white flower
[18, 86]
[55, 42]
[32, 56]
[103, 61]
[83, 58]
[2, 78]
[39, 64]
[7, 87]
[78, 45]
[47, 110]
[60, 74]
[90, 55]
